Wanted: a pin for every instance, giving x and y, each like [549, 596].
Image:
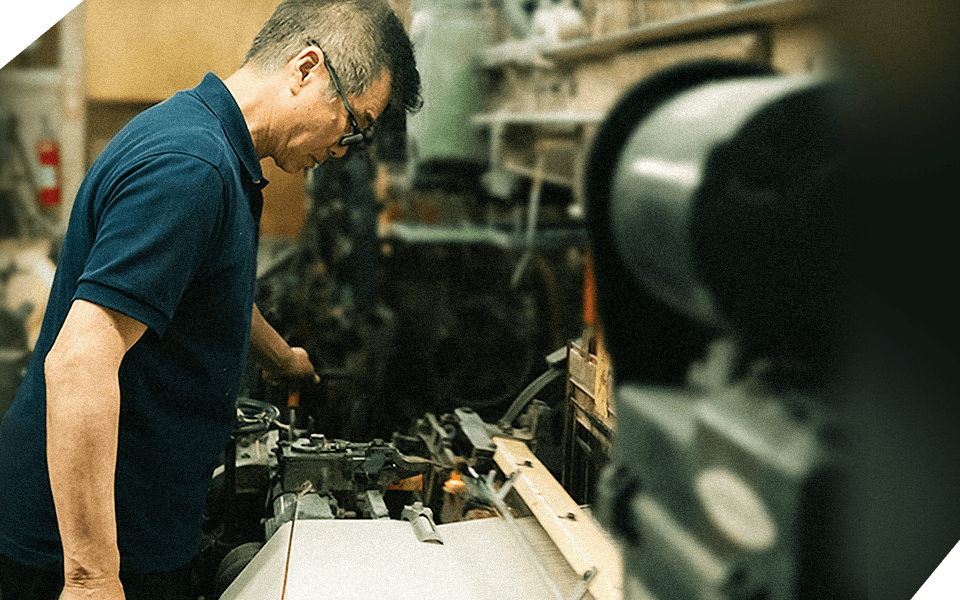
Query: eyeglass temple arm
[336, 80]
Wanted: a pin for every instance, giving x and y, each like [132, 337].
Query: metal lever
[421, 518]
[293, 403]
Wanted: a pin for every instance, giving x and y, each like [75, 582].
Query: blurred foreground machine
[714, 195]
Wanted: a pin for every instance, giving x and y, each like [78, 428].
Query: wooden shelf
[558, 133]
[735, 18]
[531, 173]
[738, 17]
[587, 75]
[507, 238]
[557, 118]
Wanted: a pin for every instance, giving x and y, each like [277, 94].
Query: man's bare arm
[83, 409]
[277, 359]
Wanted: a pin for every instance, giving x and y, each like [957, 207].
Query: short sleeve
[153, 228]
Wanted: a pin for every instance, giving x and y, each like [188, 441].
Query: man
[108, 449]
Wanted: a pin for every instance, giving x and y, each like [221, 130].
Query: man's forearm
[83, 411]
[82, 424]
[267, 347]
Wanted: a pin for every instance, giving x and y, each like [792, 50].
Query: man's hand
[296, 372]
[108, 589]
[281, 364]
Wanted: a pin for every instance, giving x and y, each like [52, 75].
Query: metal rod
[497, 499]
[533, 211]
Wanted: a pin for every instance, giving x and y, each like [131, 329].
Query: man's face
[318, 120]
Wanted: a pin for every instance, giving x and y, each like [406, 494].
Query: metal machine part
[424, 479]
[327, 508]
[714, 200]
[535, 557]
[269, 481]
[460, 443]
[338, 465]
[477, 560]
[665, 162]
[348, 478]
[421, 518]
[288, 507]
[725, 495]
[714, 190]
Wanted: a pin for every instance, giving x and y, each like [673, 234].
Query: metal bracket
[489, 491]
[421, 518]
[373, 501]
[583, 586]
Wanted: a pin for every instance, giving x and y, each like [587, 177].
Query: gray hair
[361, 39]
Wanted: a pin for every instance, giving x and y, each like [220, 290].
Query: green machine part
[448, 36]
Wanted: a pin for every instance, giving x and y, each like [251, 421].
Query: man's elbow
[62, 360]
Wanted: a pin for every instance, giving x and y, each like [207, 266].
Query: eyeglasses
[358, 136]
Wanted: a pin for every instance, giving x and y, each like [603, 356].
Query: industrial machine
[457, 504]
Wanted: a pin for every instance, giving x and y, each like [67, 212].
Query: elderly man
[108, 449]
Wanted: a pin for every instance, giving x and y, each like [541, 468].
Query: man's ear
[308, 63]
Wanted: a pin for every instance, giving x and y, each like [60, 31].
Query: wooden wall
[139, 52]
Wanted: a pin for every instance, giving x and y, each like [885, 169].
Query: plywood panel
[146, 50]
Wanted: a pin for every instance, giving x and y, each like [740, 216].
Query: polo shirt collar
[214, 93]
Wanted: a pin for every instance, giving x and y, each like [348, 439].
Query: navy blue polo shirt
[164, 229]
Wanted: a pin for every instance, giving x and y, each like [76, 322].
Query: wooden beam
[581, 541]
[738, 17]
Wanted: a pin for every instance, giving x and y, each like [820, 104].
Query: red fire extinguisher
[48, 155]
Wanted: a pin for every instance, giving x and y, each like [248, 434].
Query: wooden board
[592, 374]
[603, 386]
[146, 50]
[581, 541]
[738, 16]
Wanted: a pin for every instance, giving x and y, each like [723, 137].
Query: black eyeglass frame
[358, 136]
